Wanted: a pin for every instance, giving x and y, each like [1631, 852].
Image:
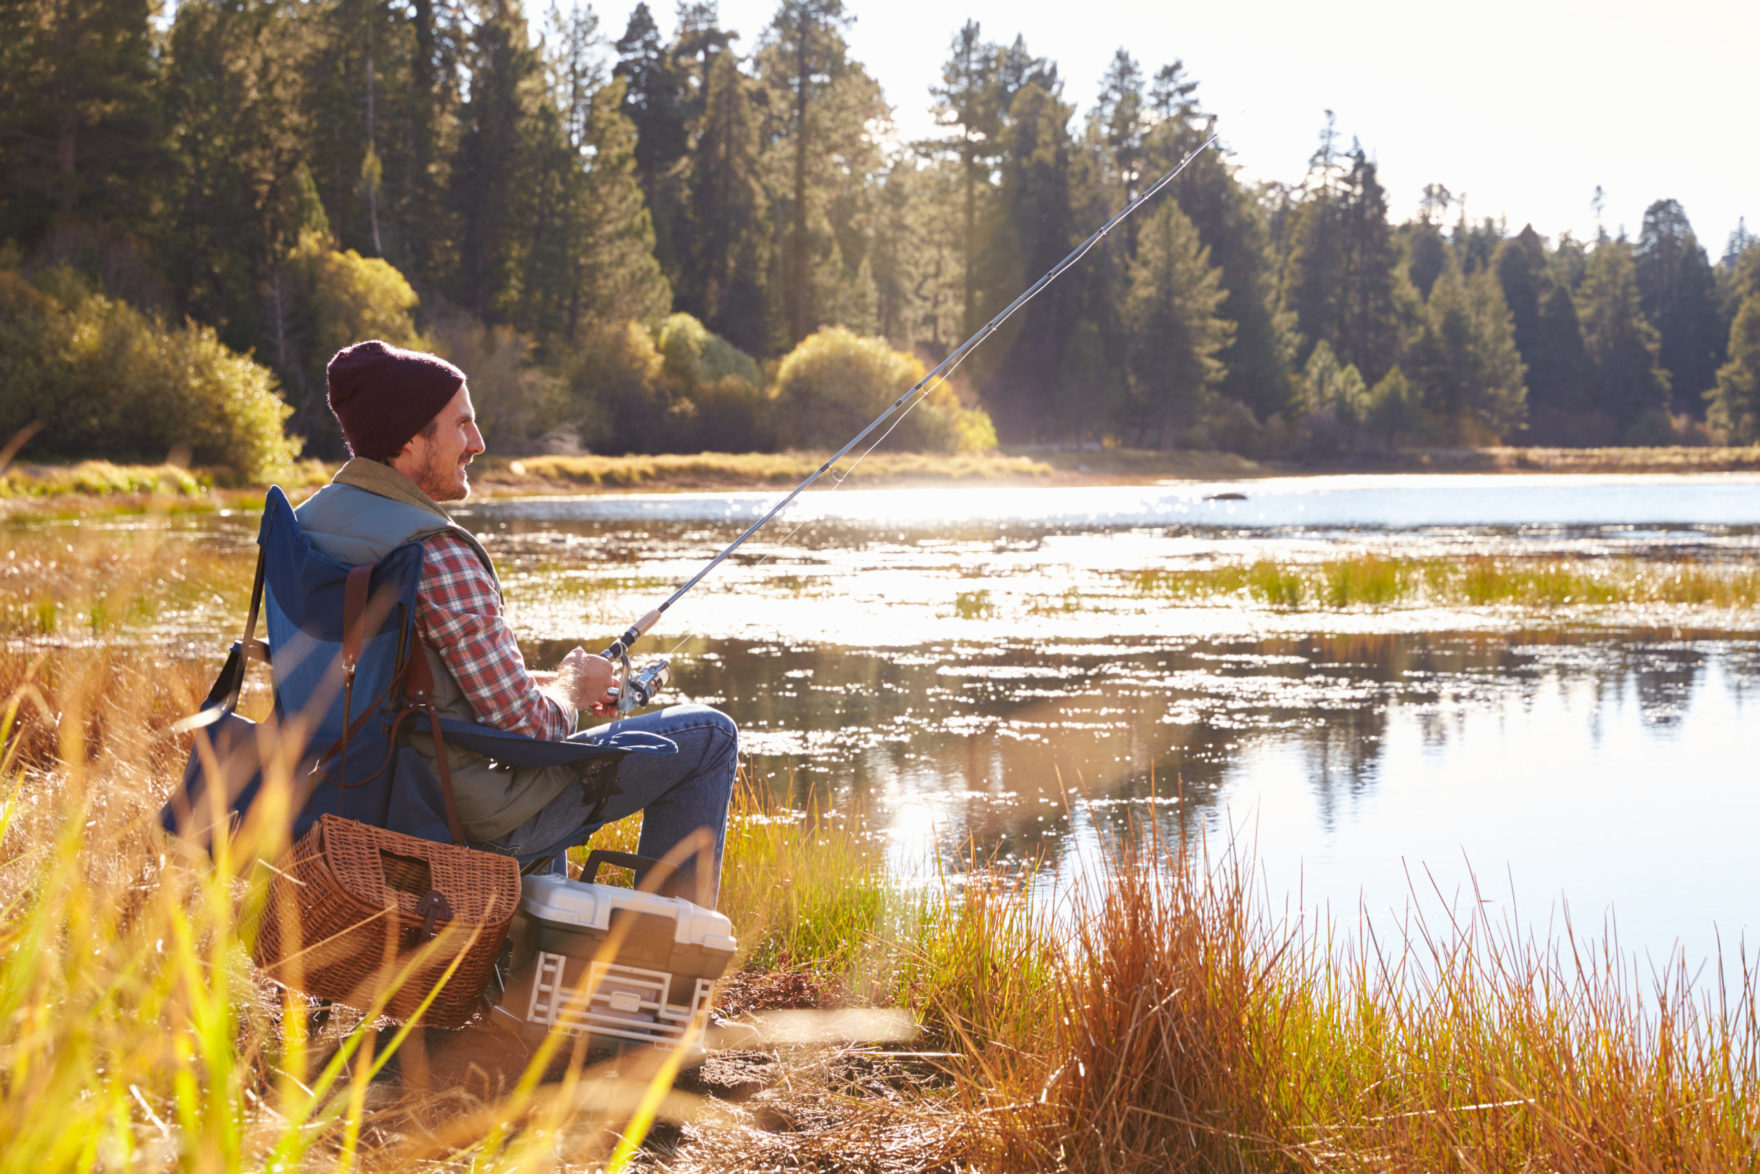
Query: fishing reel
[638, 687]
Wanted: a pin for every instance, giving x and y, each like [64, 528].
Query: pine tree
[424, 234]
[1547, 336]
[1625, 383]
[966, 101]
[1678, 292]
[1017, 68]
[78, 132]
[1096, 355]
[1466, 362]
[1170, 94]
[574, 72]
[1333, 400]
[1474, 245]
[919, 255]
[1231, 223]
[699, 41]
[237, 148]
[726, 271]
[1174, 331]
[1426, 250]
[654, 101]
[356, 81]
[1313, 282]
[587, 252]
[1733, 403]
[500, 146]
[617, 275]
[1740, 241]
[1559, 371]
[546, 215]
[1306, 225]
[1027, 392]
[1372, 309]
[1520, 265]
[1124, 118]
[803, 55]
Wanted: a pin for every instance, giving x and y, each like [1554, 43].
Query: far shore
[98, 486]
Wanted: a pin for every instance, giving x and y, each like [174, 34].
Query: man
[412, 431]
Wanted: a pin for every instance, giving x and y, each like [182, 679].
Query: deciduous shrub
[835, 381]
[100, 379]
[695, 356]
[723, 386]
[614, 391]
[681, 388]
[329, 299]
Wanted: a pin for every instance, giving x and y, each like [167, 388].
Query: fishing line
[654, 675]
[837, 480]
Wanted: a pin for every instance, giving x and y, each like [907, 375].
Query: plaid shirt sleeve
[460, 615]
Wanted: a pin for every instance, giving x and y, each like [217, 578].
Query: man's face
[437, 463]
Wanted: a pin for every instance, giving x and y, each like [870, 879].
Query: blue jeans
[677, 794]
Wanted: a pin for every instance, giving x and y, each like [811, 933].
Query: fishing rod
[639, 687]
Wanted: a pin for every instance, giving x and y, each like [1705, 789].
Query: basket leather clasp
[431, 908]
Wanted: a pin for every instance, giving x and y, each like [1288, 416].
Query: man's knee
[724, 734]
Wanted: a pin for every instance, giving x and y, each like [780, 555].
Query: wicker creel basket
[352, 905]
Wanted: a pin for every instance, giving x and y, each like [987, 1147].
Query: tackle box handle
[668, 886]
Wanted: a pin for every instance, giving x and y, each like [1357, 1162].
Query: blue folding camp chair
[351, 681]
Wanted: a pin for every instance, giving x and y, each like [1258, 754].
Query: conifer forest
[719, 241]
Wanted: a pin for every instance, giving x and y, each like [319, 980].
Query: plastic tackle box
[623, 968]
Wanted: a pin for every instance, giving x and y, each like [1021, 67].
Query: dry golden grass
[1183, 1028]
[562, 474]
[1638, 459]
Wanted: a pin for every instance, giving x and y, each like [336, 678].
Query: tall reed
[1184, 1028]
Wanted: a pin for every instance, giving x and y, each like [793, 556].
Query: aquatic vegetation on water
[55, 581]
[973, 605]
[1375, 580]
[1068, 603]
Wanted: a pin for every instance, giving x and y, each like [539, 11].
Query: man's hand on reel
[586, 680]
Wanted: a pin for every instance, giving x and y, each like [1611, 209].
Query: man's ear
[406, 453]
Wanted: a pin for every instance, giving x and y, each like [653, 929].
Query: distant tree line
[632, 238]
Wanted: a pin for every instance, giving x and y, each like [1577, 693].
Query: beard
[444, 480]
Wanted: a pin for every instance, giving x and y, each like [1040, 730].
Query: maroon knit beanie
[382, 395]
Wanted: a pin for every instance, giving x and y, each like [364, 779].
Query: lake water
[974, 672]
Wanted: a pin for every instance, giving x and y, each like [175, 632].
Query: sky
[1525, 106]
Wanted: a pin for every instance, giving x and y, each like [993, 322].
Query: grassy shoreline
[102, 486]
[1161, 1018]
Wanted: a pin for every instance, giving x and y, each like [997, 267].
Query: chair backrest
[305, 606]
[308, 607]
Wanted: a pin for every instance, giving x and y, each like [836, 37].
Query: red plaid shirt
[461, 617]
